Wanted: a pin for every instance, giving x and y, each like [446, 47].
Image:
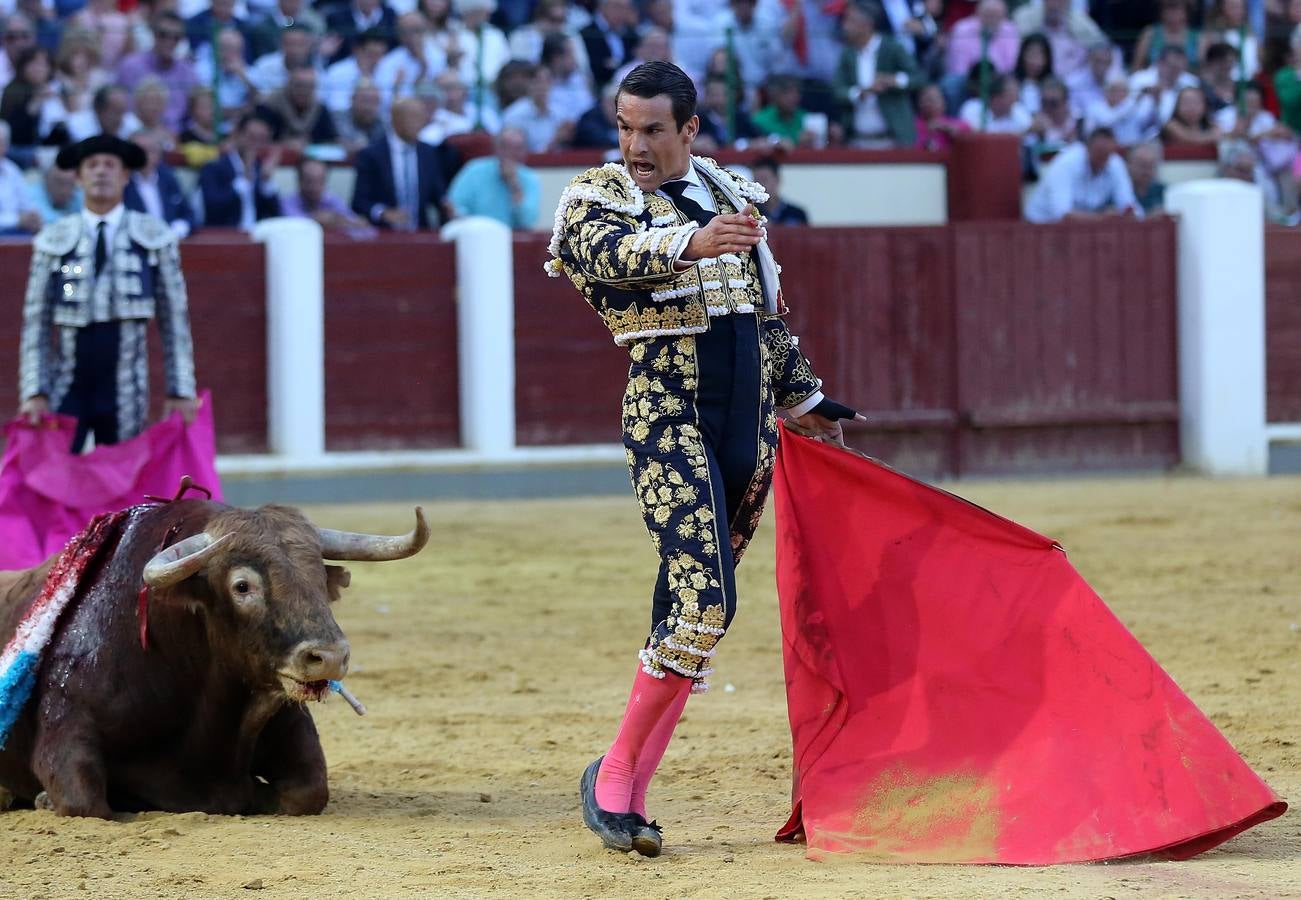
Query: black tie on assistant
[677, 191]
[101, 249]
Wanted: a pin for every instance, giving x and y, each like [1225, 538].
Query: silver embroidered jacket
[142, 282]
[620, 247]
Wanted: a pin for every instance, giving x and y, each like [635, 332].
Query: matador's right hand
[34, 409]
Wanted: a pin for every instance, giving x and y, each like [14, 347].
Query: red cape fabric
[958, 693]
[47, 494]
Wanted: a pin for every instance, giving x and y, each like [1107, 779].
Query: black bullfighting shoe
[648, 839]
[616, 830]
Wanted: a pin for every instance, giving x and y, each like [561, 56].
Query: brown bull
[206, 718]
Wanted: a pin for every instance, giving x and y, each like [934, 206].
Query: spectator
[56, 195]
[782, 119]
[201, 126]
[30, 103]
[297, 51]
[1219, 83]
[1127, 114]
[1034, 64]
[501, 186]
[912, 23]
[297, 116]
[756, 44]
[264, 34]
[1238, 161]
[18, 215]
[313, 201]
[1055, 125]
[221, 65]
[1275, 143]
[357, 17]
[481, 49]
[1005, 114]
[719, 126]
[597, 128]
[77, 70]
[110, 27]
[1084, 181]
[571, 93]
[810, 34]
[49, 30]
[550, 17]
[413, 61]
[874, 79]
[456, 114]
[987, 34]
[513, 82]
[399, 178]
[163, 62]
[935, 129]
[236, 188]
[361, 124]
[155, 189]
[767, 172]
[1143, 164]
[609, 40]
[19, 35]
[342, 78]
[109, 113]
[1089, 83]
[1172, 31]
[1068, 28]
[150, 103]
[1162, 83]
[202, 28]
[652, 46]
[1190, 122]
[1228, 22]
[546, 127]
[1287, 83]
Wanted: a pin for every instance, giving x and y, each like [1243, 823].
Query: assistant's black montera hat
[71, 156]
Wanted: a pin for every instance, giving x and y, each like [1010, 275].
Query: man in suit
[875, 80]
[399, 177]
[610, 39]
[236, 187]
[97, 277]
[154, 188]
[355, 18]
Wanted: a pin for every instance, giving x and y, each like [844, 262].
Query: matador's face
[103, 178]
[654, 149]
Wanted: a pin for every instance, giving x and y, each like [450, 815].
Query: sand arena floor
[495, 666]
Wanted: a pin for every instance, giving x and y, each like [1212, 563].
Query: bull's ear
[336, 579]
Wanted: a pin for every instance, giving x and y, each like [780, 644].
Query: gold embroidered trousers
[700, 430]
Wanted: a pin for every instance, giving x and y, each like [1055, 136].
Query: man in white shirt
[1162, 82]
[341, 78]
[109, 113]
[297, 50]
[546, 127]
[412, 62]
[17, 213]
[1084, 181]
[1005, 115]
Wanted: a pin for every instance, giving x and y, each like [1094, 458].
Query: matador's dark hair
[652, 79]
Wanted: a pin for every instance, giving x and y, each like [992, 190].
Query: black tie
[101, 250]
[695, 212]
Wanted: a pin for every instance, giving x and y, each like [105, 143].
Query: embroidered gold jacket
[619, 246]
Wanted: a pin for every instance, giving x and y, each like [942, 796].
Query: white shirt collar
[113, 218]
[692, 177]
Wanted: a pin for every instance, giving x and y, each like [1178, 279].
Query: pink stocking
[648, 705]
[653, 752]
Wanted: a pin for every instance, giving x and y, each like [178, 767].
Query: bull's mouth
[303, 691]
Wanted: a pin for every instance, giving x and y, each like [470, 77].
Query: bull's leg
[290, 758]
[69, 764]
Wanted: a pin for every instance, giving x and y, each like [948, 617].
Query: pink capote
[47, 494]
[958, 693]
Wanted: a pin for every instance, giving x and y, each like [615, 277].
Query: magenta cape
[47, 495]
[958, 693]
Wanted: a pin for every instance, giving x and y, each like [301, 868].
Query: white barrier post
[1221, 326]
[485, 310]
[295, 251]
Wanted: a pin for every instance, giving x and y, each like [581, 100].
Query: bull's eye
[242, 586]
[245, 586]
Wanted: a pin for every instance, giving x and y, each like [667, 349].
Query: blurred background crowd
[439, 105]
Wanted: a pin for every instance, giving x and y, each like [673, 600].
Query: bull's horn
[181, 560]
[347, 545]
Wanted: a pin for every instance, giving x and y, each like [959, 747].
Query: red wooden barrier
[1283, 325]
[390, 343]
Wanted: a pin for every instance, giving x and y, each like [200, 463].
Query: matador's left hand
[186, 406]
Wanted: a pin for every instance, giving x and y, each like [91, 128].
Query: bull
[200, 706]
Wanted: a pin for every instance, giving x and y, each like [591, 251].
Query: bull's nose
[321, 660]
